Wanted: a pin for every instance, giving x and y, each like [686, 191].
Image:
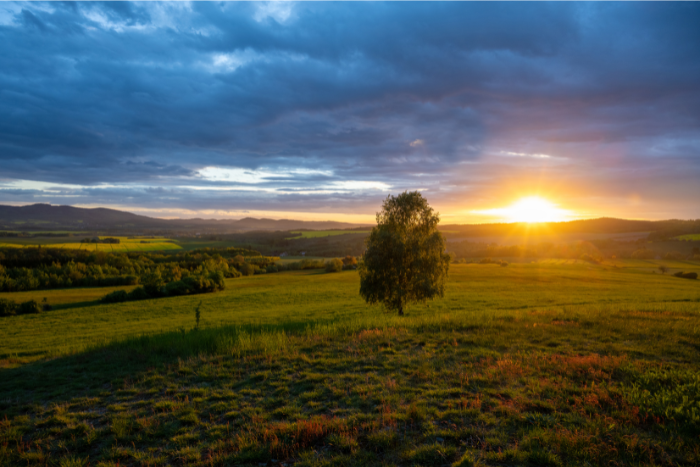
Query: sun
[531, 209]
[534, 209]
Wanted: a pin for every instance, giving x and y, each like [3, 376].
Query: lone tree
[405, 259]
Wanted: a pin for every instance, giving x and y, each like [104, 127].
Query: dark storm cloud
[311, 95]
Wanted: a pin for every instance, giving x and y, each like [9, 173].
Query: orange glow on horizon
[530, 209]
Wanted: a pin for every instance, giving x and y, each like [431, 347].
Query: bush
[153, 283]
[117, 296]
[139, 293]
[334, 265]
[687, 275]
[30, 307]
[7, 307]
[246, 269]
[349, 261]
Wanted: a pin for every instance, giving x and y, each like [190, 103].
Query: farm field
[327, 233]
[532, 364]
[126, 244]
[691, 237]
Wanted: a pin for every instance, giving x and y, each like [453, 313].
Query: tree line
[202, 269]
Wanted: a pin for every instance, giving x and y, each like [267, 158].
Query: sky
[319, 111]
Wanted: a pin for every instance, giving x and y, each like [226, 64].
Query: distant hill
[37, 217]
[603, 225]
[48, 217]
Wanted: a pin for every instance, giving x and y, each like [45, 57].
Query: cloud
[298, 102]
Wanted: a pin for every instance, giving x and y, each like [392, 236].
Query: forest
[45, 268]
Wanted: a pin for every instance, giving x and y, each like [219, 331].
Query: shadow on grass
[68, 306]
[106, 367]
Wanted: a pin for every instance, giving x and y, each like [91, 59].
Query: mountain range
[48, 217]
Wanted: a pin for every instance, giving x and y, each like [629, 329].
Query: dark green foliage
[334, 265]
[687, 275]
[197, 315]
[7, 307]
[30, 307]
[10, 308]
[202, 283]
[117, 296]
[111, 240]
[349, 262]
[246, 269]
[153, 283]
[33, 268]
[139, 293]
[669, 393]
[405, 259]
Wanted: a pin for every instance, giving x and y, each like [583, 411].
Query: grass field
[691, 237]
[531, 364]
[126, 244]
[327, 233]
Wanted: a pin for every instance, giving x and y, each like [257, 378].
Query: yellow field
[126, 244]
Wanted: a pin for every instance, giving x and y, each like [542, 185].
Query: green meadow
[125, 244]
[690, 237]
[327, 233]
[550, 363]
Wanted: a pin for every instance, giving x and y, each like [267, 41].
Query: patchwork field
[327, 233]
[125, 244]
[691, 237]
[531, 364]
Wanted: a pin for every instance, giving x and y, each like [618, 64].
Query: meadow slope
[530, 364]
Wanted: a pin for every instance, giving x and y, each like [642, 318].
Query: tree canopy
[405, 260]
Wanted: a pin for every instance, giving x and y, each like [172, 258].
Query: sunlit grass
[327, 233]
[126, 244]
[531, 364]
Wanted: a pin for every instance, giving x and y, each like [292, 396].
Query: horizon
[506, 222]
[496, 114]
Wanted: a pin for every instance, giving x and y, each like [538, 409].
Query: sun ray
[531, 209]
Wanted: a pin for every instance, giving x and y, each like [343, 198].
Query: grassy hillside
[314, 296]
[530, 364]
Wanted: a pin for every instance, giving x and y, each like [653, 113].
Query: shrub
[30, 307]
[334, 265]
[176, 288]
[153, 283]
[504, 263]
[139, 293]
[7, 307]
[687, 275]
[271, 269]
[349, 261]
[246, 269]
[117, 296]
